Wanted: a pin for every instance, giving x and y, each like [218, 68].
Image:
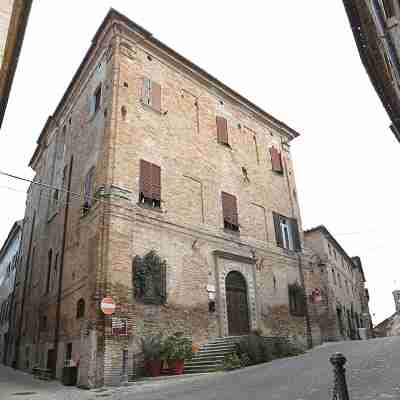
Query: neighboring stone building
[390, 326]
[9, 259]
[338, 281]
[150, 152]
[375, 25]
[14, 16]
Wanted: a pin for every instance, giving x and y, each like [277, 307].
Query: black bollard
[340, 391]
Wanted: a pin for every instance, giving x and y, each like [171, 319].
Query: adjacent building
[14, 16]
[375, 25]
[9, 261]
[390, 326]
[169, 192]
[336, 284]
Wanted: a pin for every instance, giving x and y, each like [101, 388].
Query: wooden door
[237, 306]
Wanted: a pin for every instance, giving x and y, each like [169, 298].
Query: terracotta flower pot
[153, 367]
[176, 367]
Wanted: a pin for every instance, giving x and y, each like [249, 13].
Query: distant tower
[396, 295]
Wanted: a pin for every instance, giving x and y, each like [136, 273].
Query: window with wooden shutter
[150, 184]
[88, 191]
[276, 160]
[286, 232]
[151, 94]
[222, 130]
[156, 96]
[97, 99]
[230, 212]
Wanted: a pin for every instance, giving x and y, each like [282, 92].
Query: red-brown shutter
[156, 182]
[229, 209]
[276, 159]
[156, 96]
[222, 130]
[145, 179]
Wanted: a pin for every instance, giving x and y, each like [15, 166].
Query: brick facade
[344, 305]
[176, 132]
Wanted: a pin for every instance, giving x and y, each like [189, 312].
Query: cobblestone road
[373, 373]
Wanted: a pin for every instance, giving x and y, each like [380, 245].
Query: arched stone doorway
[236, 304]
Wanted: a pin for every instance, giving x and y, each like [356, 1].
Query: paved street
[373, 373]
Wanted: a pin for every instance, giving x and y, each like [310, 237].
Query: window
[287, 232]
[222, 130]
[43, 323]
[297, 300]
[68, 352]
[55, 271]
[97, 99]
[339, 280]
[388, 6]
[151, 94]
[50, 258]
[150, 184]
[55, 198]
[150, 278]
[80, 309]
[229, 211]
[88, 191]
[276, 160]
[329, 249]
[334, 276]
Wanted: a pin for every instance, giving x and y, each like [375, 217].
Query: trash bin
[69, 376]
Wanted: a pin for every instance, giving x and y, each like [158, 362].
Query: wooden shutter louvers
[276, 159]
[230, 213]
[150, 181]
[222, 130]
[278, 231]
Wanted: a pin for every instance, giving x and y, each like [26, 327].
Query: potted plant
[152, 351]
[177, 349]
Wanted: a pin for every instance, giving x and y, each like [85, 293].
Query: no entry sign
[107, 306]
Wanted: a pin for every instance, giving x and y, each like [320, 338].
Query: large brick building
[340, 284]
[174, 195]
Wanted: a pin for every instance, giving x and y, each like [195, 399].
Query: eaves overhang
[15, 36]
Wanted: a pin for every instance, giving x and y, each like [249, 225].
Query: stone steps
[210, 356]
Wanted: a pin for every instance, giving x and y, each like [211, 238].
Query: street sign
[119, 326]
[107, 306]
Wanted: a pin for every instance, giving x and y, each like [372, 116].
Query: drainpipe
[60, 278]
[301, 272]
[21, 317]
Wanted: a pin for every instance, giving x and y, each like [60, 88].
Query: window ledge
[148, 106]
[227, 145]
[52, 216]
[156, 209]
[232, 232]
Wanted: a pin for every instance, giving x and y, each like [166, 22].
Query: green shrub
[284, 348]
[177, 347]
[255, 348]
[152, 347]
[231, 361]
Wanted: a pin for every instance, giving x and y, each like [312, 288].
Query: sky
[296, 60]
